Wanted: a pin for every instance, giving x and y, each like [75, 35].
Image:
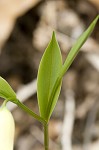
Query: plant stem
[4, 103]
[30, 112]
[46, 137]
[40, 119]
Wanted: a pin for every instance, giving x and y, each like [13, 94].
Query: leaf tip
[53, 35]
[96, 19]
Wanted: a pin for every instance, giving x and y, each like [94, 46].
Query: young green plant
[49, 79]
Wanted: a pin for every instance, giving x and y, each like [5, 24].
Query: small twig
[68, 122]
[84, 107]
[67, 42]
[94, 60]
[89, 124]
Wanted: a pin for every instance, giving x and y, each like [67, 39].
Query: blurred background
[25, 30]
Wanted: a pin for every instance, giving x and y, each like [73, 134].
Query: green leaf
[76, 47]
[6, 91]
[49, 68]
[72, 54]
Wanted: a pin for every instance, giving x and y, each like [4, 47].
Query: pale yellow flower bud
[7, 129]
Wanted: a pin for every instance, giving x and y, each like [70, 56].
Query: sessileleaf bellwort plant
[49, 82]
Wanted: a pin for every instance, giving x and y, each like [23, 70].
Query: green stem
[40, 119]
[30, 112]
[46, 137]
[4, 103]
